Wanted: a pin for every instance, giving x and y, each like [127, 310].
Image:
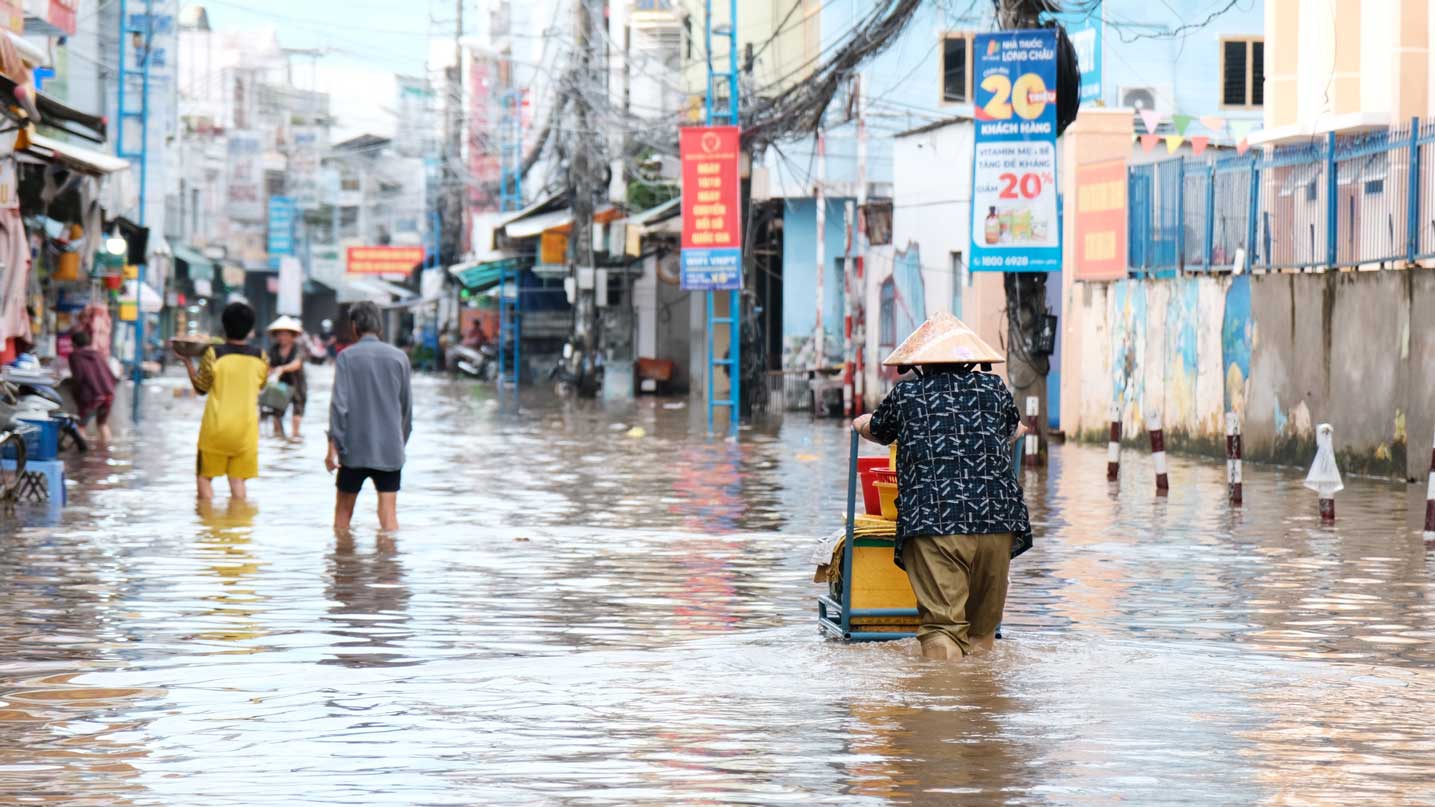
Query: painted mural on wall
[1128, 347]
[1168, 354]
[1237, 337]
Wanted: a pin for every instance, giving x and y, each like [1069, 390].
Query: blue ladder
[733, 320]
[732, 363]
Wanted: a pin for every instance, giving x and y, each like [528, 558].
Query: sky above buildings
[364, 43]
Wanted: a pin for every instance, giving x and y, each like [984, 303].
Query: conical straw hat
[286, 323]
[944, 339]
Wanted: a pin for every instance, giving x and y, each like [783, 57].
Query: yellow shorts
[209, 465]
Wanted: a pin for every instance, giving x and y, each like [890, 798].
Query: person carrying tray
[961, 516]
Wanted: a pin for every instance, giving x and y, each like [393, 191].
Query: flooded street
[589, 606]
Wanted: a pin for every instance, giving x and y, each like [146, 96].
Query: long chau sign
[712, 208]
[1014, 209]
[383, 260]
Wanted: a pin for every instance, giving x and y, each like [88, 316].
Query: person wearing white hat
[961, 516]
[286, 358]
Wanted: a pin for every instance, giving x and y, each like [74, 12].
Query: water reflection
[370, 602]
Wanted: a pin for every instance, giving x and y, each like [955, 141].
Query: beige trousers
[960, 582]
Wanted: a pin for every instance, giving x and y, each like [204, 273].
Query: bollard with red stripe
[1233, 457]
[1031, 457]
[1158, 453]
[1430, 501]
[1113, 446]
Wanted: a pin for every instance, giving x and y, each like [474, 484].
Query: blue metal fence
[1360, 200]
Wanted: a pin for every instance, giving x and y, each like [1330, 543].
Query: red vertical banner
[1101, 221]
[712, 208]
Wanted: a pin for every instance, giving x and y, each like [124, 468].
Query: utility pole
[451, 220]
[819, 192]
[1026, 291]
[581, 190]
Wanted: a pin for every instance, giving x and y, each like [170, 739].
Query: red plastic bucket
[865, 465]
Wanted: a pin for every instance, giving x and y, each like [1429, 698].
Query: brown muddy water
[575, 613]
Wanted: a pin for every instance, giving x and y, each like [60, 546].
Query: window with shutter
[1243, 73]
[1258, 74]
[1233, 74]
[954, 69]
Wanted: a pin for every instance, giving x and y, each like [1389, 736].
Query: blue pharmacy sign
[281, 225]
[1015, 224]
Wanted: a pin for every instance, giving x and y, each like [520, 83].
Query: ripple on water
[575, 614]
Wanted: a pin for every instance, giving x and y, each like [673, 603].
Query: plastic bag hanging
[1324, 476]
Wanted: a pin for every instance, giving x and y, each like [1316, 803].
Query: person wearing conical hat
[961, 516]
[286, 357]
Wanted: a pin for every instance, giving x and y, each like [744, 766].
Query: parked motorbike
[474, 362]
[36, 400]
[577, 374]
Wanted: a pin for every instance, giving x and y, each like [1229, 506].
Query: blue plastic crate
[42, 440]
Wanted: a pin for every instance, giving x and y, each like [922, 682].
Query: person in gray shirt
[370, 418]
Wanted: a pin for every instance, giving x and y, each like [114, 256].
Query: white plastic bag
[1324, 476]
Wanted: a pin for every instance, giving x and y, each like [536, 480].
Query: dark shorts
[351, 480]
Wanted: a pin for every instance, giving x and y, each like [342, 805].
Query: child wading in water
[231, 374]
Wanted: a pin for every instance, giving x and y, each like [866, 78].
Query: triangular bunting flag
[1213, 122]
[1181, 122]
[1173, 142]
[1241, 128]
[1198, 145]
[1152, 119]
[1148, 142]
[1242, 146]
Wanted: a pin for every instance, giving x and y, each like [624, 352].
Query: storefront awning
[360, 289]
[88, 161]
[560, 220]
[199, 266]
[482, 275]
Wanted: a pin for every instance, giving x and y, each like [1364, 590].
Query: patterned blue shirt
[954, 475]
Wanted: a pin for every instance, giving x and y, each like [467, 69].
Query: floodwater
[577, 612]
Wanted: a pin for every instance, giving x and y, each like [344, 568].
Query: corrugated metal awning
[88, 161]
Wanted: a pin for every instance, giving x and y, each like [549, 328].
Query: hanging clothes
[14, 277]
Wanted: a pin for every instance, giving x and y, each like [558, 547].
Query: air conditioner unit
[1154, 97]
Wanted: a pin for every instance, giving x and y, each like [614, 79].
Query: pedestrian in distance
[232, 374]
[961, 516]
[370, 418]
[92, 383]
[286, 363]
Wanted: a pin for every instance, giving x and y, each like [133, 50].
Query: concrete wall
[1287, 351]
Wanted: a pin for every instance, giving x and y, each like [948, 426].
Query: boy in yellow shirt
[231, 374]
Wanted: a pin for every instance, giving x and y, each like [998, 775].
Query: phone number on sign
[1003, 261]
